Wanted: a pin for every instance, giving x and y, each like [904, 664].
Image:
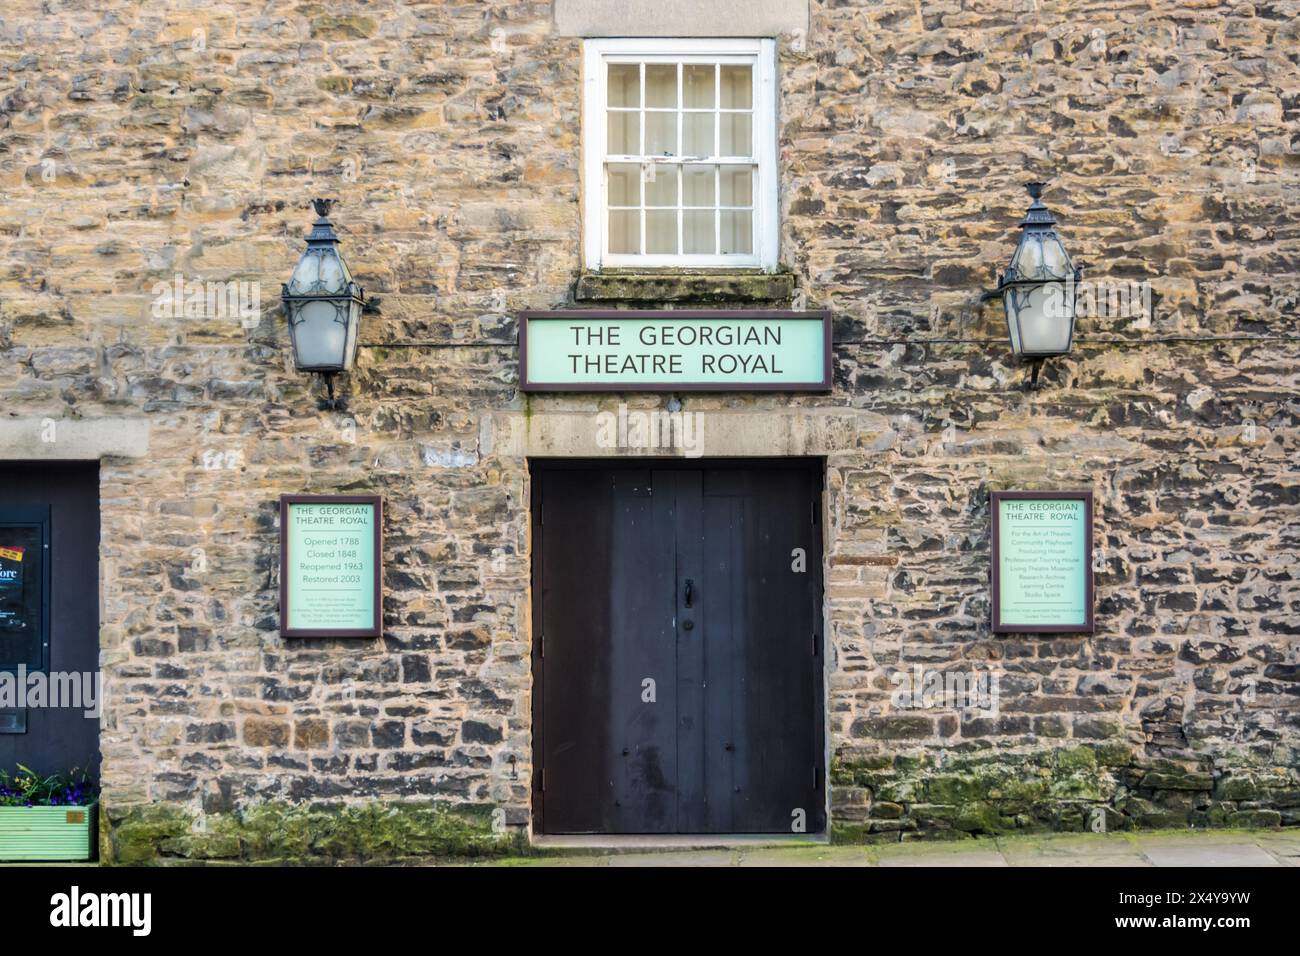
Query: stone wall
[140, 141]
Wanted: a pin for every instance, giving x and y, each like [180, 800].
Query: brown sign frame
[377, 628]
[822, 315]
[995, 552]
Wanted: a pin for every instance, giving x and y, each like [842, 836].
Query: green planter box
[47, 833]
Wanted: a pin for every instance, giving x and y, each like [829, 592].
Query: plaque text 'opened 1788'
[329, 570]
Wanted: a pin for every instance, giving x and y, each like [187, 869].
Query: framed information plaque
[1042, 561]
[331, 565]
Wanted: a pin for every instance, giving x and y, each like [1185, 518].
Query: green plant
[26, 788]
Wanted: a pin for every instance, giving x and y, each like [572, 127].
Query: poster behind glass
[22, 596]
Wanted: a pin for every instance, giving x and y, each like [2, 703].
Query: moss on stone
[134, 835]
[980, 817]
[953, 788]
[1018, 787]
[884, 810]
[1236, 787]
[1255, 818]
[1113, 754]
[289, 834]
[897, 790]
[848, 832]
[1076, 758]
[1177, 780]
[1082, 785]
[1079, 788]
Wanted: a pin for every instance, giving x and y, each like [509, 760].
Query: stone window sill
[685, 285]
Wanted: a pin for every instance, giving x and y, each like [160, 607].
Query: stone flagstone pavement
[1217, 848]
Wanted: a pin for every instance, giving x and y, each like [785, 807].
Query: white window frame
[597, 54]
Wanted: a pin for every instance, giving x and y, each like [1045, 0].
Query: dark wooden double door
[678, 648]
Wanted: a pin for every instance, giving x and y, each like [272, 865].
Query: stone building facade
[144, 141]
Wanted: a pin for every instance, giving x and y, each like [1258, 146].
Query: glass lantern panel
[320, 271]
[1029, 258]
[1013, 320]
[1055, 261]
[332, 277]
[305, 274]
[320, 336]
[1040, 318]
[354, 329]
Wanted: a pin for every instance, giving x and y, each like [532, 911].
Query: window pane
[697, 85]
[661, 134]
[662, 191]
[737, 186]
[624, 84]
[737, 230]
[737, 88]
[624, 134]
[699, 112]
[661, 84]
[697, 129]
[625, 231]
[697, 186]
[661, 231]
[737, 135]
[624, 184]
[697, 232]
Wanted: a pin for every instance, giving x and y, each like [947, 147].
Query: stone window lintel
[685, 285]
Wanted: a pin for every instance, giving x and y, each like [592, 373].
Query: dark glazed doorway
[677, 650]
[49, 617]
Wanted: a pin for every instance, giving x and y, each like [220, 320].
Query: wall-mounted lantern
[323, 306]
[1039, 289]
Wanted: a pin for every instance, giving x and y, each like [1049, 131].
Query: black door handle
[689, 591]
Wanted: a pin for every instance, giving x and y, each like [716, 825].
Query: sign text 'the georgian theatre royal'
[588, 350]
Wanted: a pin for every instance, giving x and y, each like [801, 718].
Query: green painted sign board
[585, 350]
[1042, 561]
[331, 554]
